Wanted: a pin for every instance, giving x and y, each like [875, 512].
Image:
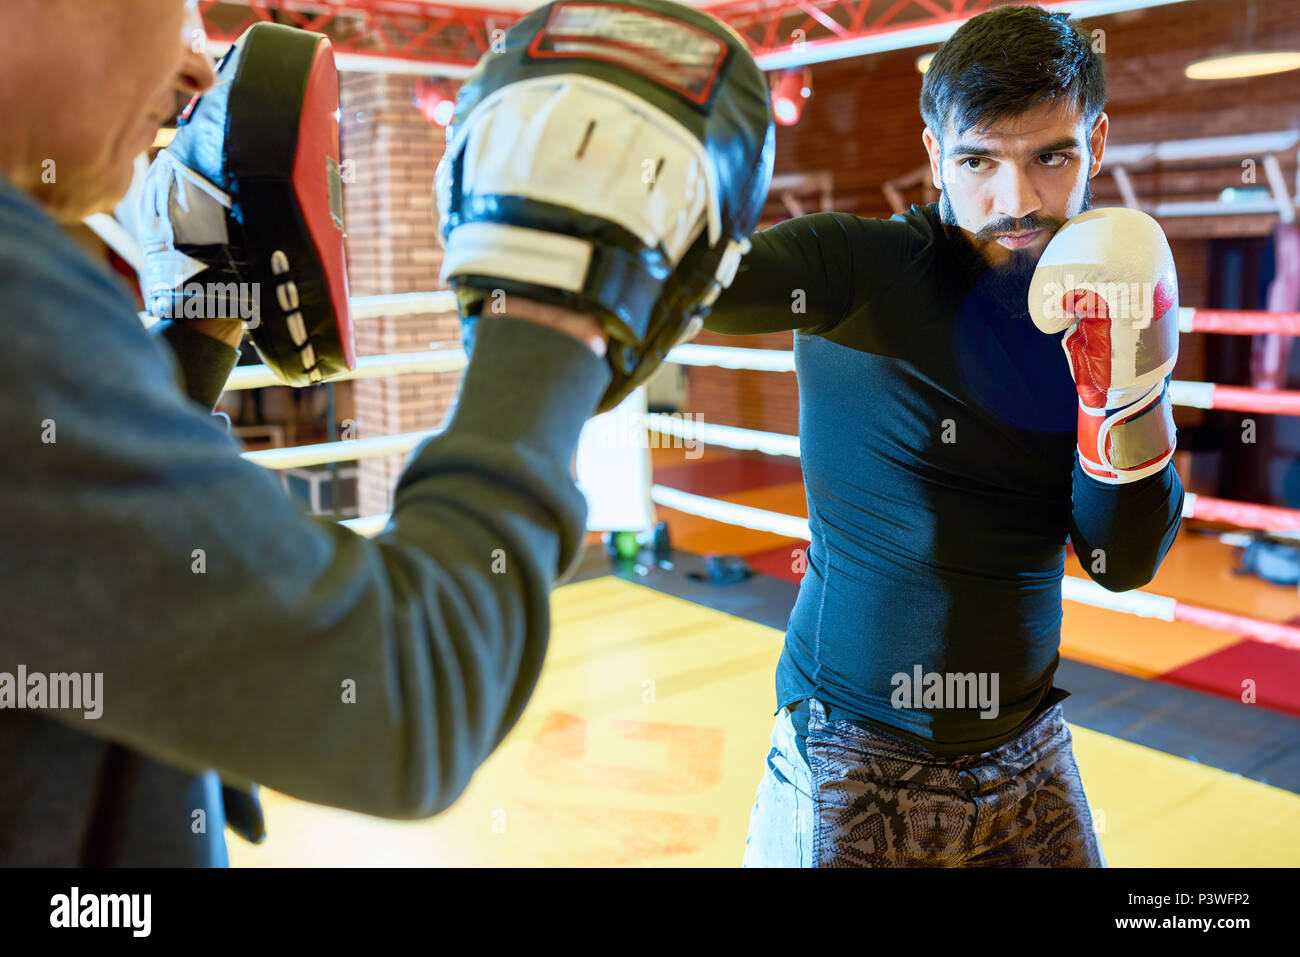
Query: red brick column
[390, 153]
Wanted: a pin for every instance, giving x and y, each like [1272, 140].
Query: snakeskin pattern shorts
[864, 799]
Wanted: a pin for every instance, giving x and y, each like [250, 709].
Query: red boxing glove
[1107, 280]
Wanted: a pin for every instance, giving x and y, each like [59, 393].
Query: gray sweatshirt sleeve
[204, 363]
[233, 631]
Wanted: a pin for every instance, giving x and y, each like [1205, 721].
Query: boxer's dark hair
[1009, 60]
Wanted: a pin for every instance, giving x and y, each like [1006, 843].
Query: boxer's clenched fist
[1107, 279]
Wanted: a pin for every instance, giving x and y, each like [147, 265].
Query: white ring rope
[368, 525]
[763, 520]
[346, 450]
[1195, 395]
[1080, 590]
[729, 436]
[731, 357]
[403, 304]
[447, 359]
[1131, 602]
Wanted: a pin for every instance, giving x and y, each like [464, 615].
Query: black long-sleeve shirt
[937, 431]
[233, 631]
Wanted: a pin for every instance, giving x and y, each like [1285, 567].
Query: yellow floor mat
[645, 741]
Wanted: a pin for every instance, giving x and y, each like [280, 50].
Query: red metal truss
[456, 36]
[781, 26]
[431, 37]
[409, 31]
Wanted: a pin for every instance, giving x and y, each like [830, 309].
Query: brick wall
[390, 152]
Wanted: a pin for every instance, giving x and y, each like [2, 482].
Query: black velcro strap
[628, 286]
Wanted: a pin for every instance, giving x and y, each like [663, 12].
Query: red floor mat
[725, 476]
[780, 562]
[1274, 670]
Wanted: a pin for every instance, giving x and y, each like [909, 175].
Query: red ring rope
[1271, 632]
[1245, 322]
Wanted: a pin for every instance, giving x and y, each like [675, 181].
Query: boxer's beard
[1007, 282]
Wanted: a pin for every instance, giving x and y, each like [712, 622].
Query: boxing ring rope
[1079, 590]
[1266, 518]
[1238, 322]
[1242, 514]
[402, 304]
[1196, 395]
[1203, 395]
[732, 357]
[367, 525]
[345, 450]
[730, 513]
[448, 359]
[1234, 398]
[1143, 604]
[727, 436]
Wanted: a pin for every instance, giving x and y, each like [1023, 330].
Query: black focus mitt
[610, 157]
[242, 215]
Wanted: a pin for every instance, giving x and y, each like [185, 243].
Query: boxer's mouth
[1018, 240]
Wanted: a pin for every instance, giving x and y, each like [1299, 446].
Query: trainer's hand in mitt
[609, 157]
[242, 215]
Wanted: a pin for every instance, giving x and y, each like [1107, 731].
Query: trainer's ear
[932, 147]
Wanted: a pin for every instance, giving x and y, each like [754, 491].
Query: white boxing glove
[1107, 279]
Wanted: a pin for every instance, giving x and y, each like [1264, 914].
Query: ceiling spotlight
[436, 99]
[790, 94]
[1236, 65]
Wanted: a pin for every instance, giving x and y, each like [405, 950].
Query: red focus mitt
[242, 215]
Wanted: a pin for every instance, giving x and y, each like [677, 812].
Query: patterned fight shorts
[864, 799]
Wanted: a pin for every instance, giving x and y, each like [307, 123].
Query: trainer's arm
[235, 632]
[1122, 532]
[811, 272]
[204, 360]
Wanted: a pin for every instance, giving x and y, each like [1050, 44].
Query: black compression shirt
[937, 428]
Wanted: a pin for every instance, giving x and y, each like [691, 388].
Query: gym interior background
[646, 737]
